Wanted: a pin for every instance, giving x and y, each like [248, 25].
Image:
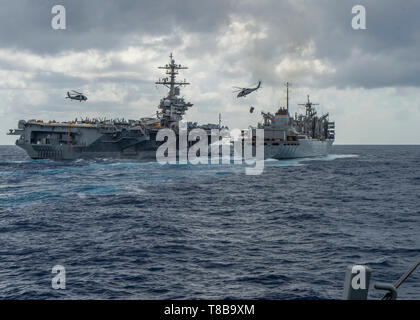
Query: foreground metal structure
[357, 283]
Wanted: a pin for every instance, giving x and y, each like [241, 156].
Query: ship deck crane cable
[400, 281]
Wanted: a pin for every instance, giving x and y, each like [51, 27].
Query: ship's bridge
[281, 118]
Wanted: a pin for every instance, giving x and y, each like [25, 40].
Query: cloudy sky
[368, 80]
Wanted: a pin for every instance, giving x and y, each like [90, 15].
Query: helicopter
[245, 91]
[76, 96]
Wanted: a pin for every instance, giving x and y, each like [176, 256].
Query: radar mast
[172, 107]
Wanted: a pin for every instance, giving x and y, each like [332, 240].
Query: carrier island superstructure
[93, 138]
[301, 136]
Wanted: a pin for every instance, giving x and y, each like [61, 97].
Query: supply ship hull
[305, 148]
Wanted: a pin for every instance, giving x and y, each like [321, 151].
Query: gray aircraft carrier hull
[62, 152]
[136, 147]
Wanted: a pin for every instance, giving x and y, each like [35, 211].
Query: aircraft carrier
[302, 136]
[93, 138]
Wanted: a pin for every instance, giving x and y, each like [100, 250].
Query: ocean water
[127, 230]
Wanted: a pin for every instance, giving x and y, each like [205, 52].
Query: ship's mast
[171, 83]
[287, 97]
[173, 108]
[308, 106]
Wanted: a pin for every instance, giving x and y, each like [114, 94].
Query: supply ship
[302, 136]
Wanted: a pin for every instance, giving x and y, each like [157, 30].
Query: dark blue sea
[136, 230]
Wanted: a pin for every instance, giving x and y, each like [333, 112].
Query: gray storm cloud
[267, 33]
[111, 49]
